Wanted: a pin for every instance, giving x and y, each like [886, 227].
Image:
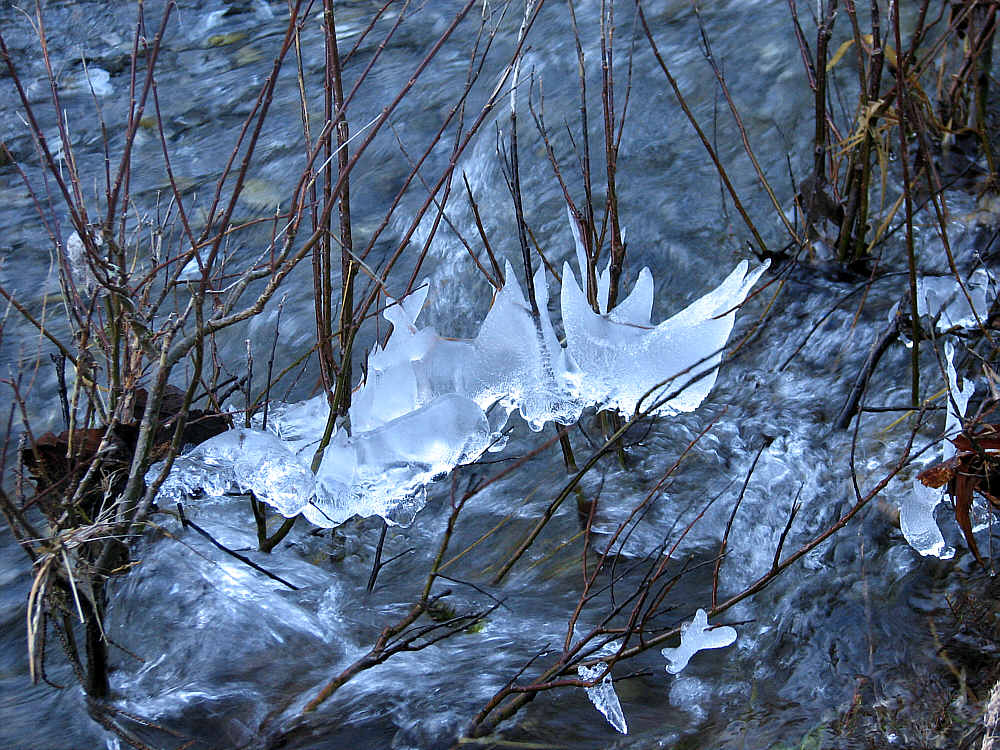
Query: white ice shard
[942, 295]
[696, 636]
[518, 360]
[958, 397]
[603, 695]
[390, 389]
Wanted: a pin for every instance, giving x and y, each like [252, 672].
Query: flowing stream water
[211, 649]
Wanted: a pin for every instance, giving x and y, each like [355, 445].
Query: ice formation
[916, 509]
[430, 403]
[603, 695]
[621, 357]
[696, 636]
[240, 461]
[916, 520]
[958, 401]
[941, 297]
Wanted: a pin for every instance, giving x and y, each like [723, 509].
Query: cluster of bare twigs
[148, 294]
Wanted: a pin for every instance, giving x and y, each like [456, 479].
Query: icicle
[916, 508]
[603, 695]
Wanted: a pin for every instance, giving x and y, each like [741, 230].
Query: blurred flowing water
[207, 647]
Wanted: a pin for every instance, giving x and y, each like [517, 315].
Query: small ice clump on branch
[603, 695]
[430, 403]
[696, 636]
[76, 260]
[916, 509]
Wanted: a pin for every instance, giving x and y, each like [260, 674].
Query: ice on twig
[385, 470]
[916, 521]
[603, 695]
[942, 295]
[627, 364]
[958, 397]
[76, 261]
[519, 362]
[696, 636]
[391, 389]
[916, 508]
[515, 362]
[430, 403]
[380, 472]
[300, 425]
[242, 461]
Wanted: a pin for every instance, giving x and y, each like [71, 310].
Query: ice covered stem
[940, 297]
[423, 407]
[242, 461]
[916, 509]
[696, 636]
[603, 695]
[958, 401]
[916, 521]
